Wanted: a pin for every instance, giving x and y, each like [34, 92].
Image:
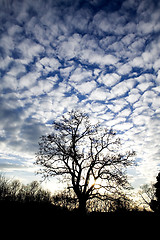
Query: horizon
[99, 56]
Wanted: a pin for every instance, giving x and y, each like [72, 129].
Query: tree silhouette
[155, 204]
[86, 156]
[147, 194]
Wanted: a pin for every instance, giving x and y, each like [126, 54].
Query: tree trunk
[82, 206]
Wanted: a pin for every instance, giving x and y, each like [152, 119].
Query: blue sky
[101, 56]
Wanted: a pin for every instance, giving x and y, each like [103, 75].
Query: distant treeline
[31, 199]
[13, 192]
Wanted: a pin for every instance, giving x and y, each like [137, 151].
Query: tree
[86, 156]
[147, 194]
[155, 204]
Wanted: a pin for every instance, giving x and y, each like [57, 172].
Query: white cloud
[99, 94]
[152, 53]
[66, 72]
[7, 43]
[140, 120]
[145, 27]
[9, 81]
[106, 42]
[109, 79]
[29, 49]
[137, 45]
[86, 87]
[125, 113]
[107, 59]
[100, 22]
[144, 86]
[12, 101]
[80, 75]
[148, 97]
[5, 62]
[138, 62]
[145, 140]
[14, 29]
[29, 79]
[101, 59]
[147, 57]
[121, 88]
[117, 105]
[97, 108]
[47, 84]
[156, 64]
[134, 96]
[116, 121]
[139, 108]
[124, 69]
[129, 4]
[123, 126]
[147, 77]
[80, 19]
[17, 70]
[50, 64]
[156, 103]
[156, 89]
[71, 47]
[128, 39]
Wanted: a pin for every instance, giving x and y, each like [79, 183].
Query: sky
[99, 56]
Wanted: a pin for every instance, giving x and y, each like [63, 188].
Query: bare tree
[147, 194]
[85, 155]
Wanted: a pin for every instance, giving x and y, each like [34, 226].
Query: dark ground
[48, 221]
[35, 210]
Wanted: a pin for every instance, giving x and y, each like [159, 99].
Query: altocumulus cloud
[101, 56]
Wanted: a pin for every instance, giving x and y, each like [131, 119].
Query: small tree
[86, 156]
[147, 194]
[155, 202]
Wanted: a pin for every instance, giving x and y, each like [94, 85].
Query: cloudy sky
[101, 56]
